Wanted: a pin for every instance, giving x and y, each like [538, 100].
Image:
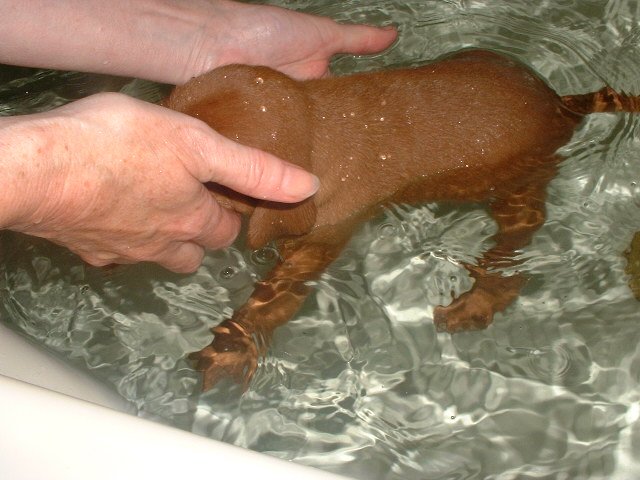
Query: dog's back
[451, 130]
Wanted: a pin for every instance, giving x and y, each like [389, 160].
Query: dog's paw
[471, 311]
[232, 354]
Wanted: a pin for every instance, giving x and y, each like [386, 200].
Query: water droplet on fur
[259, 80]
[263, 108]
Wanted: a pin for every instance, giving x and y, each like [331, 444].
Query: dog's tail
[604, 100]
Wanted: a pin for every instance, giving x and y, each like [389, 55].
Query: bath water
[360, 382]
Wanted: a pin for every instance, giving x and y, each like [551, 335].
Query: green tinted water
[360, 382]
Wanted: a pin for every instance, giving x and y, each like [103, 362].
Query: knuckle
[259, 173]
[97, 261]
[192, 264]
[256, 169]
[184, 258]
[221, 229]
[191, 226]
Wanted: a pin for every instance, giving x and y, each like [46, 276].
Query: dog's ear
[270, 221]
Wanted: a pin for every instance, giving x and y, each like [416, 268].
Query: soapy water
[360, 382]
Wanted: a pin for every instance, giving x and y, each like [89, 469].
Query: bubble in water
[386, 230]
[560, 364]
[264, 256]
[228, 273]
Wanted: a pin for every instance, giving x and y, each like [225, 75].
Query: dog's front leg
[239, 341]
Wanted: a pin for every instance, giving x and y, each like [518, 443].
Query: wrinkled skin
[172, 41]
[84, 197]
[119, 181]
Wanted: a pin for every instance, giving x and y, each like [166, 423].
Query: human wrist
[25, 165]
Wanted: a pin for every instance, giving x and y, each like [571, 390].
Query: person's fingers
[248, 170]
[222, 226]
[182, 257]
[96, 260]
[364, 39]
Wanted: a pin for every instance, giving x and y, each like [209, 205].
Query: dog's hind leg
[519, 212]
[239, 341]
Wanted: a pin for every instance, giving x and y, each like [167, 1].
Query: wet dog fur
[472, 127]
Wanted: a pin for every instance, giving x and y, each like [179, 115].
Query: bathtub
[566, 362]
[60, 424]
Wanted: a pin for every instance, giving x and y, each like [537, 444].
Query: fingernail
[300, 184]
[312, 186]
[315, 185]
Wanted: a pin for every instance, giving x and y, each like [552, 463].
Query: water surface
[360, 382]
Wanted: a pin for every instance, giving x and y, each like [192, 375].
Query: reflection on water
[360, 382]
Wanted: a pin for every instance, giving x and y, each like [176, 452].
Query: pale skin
[117, 180]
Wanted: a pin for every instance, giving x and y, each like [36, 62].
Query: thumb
[249, 171]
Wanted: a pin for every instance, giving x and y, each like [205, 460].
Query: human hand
[172, 41]
[118, 180]
[298, 44]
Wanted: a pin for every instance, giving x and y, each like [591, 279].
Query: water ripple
[360, 382]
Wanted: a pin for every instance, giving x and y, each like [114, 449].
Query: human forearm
[118, 180]
[173, 40]
[144, 38]
[23, 153]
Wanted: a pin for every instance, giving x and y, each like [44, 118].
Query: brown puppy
[475, 126]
